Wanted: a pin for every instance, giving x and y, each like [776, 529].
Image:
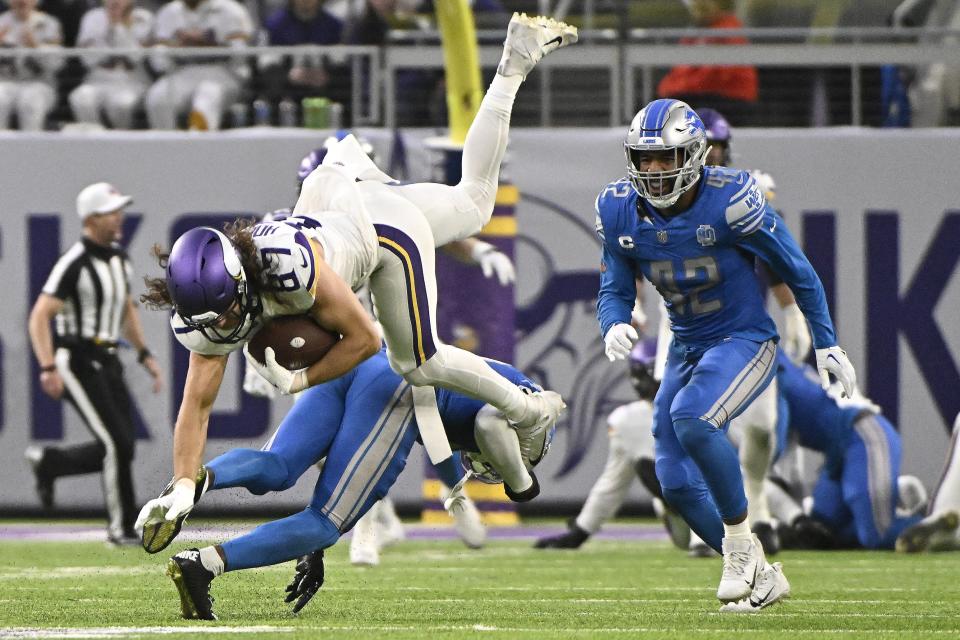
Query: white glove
[283, 379]
[619, 340]
[171, 506]
[493, 262]
[796, 334]
[834, 360]
[256, 385]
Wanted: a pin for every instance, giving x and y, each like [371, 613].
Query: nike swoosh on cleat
[558, 40]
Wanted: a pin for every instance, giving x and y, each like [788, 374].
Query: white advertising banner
[875, 211]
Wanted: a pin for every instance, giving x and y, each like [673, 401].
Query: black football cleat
[572, 539]
[768, 537]
[193, 584]
[44, 482]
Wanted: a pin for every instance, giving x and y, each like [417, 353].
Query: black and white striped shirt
[93, 281]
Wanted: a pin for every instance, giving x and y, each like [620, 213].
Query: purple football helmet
[206, 283]
[718, 130]
[642, 359]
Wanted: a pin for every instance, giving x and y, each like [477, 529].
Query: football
[297, 341]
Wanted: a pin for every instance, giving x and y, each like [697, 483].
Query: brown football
[297, 341]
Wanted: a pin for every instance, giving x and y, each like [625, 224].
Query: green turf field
[441, 590]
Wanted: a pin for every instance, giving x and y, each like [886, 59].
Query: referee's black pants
[93, 384]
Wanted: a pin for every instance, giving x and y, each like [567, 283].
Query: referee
[88, 295]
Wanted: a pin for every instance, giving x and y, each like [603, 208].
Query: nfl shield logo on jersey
[706, 236]
[662, 236]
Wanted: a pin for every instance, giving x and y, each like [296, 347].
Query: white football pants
[32, 100]
[208, 89]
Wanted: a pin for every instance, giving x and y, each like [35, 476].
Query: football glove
[834, 360]
[256, 385]
[796, 334]
[307, 581]
[160, 519]
[494, 263]
[286, 381]
[619, 340]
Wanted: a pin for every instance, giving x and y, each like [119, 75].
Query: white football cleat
[529, 38]
[743, 562]
[466, 516]
[771, 587]
[389, 523]
[546, 407]
[364, 548]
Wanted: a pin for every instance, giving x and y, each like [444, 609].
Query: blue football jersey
[702, 261]
[458, 411]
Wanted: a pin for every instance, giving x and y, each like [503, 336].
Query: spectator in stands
[116, 84]
[205, 87]
[732, 90]
[27, 84]
[297, 77]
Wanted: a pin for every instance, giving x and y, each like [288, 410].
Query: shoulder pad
[745, 207]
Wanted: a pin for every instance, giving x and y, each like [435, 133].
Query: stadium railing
[603, 80]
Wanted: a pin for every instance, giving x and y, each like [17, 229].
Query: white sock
[739, 530]
[211, 561]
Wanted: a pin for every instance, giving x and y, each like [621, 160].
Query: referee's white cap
[100, 197]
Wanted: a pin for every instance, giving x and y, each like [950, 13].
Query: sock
[281, 540]
[450, 471]
[739, 530]
[211, 560]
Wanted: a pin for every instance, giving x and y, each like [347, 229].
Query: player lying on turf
[363, 424]
[694, 232]
[349, 229]
[940, 529]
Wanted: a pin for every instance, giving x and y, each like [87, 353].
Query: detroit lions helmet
[642, 359]
[665, 125]
[207, 282]
[718, 132]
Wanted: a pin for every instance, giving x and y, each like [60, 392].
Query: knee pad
[671, 474]
[483, 194]
[692, 432]
[426, 374]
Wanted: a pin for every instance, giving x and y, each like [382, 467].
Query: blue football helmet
[207, 282]
[642, 361]
[665, 125]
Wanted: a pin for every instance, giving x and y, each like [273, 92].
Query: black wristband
[143, 354]
[48, 369]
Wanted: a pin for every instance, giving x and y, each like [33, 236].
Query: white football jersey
[631, 429]
[96, 31]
